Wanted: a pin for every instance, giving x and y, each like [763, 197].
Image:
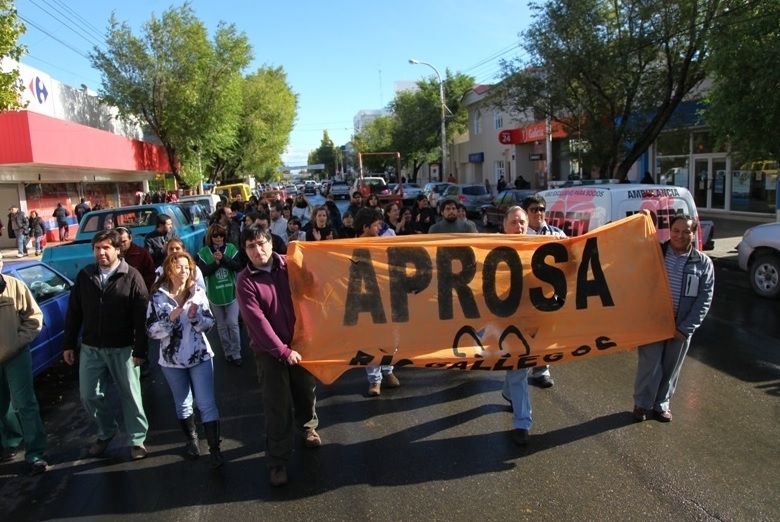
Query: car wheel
[765, 276]
[485, 220]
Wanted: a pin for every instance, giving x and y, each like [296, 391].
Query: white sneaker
[19, 255]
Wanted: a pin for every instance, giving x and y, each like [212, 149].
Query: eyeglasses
[539, 210]
[218, 234]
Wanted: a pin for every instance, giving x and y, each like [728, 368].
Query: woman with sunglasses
[220, 263]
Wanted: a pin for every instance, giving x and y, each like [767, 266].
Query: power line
[79, 32]
[84, 22]
[47, 33]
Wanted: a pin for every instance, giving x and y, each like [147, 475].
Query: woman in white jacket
[179, 316]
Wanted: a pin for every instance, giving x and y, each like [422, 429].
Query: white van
[580, 209]
[208, 201]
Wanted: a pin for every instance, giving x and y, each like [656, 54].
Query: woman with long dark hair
[37, 229]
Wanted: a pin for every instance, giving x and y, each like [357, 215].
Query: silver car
[759, 255]
[473, 196]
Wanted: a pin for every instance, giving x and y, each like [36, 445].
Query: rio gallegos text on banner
[478, 302]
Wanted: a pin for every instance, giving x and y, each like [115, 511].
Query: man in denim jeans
[109, 301]
[20, 225]
[19, 324]
[515, 389]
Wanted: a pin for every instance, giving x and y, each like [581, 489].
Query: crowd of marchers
[134, 302]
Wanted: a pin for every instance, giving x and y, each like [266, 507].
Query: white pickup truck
[759, 254]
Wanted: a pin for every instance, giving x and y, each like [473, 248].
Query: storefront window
[672, 171]
[43, 197]
[704, 143]
[673, 143]
[754, 187]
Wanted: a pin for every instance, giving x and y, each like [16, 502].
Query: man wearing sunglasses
[535, 207]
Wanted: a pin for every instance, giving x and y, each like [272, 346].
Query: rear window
[375, 184]
[475, 190]
[128, 219]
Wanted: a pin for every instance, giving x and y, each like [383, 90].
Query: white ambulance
[581, 208]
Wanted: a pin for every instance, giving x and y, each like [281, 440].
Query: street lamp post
[443, 175]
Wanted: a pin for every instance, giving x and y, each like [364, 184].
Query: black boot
[212, 436]
[191, 449]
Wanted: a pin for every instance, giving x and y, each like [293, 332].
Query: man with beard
[450, 224]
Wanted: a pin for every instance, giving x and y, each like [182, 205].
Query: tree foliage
[612, 72]
[743, 106]
[376, 136]
[417, 132]
[414, 127]
[186, 88]
[11, 28]
[268, 115]
[325, 154]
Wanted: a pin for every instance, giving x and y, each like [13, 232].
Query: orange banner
[479, 301]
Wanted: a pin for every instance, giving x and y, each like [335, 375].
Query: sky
[340, 56]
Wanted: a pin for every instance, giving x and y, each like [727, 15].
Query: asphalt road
[439, 447]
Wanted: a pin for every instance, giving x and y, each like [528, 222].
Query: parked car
[340, 190]
[492, 214]
[291, 190]
[273, 196]
[309, 187]
[207, 201]
[371, 185]
[759, 254]
[472, 196]
[411, 190]
[433, 191]
[234, 191]
[68, 258]
[51, 291]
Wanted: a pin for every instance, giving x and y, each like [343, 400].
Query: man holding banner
[691, 282]
[516, 381]
[265, 301]
[535, 207]
[367, 224]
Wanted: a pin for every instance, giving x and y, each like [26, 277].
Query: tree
[743, 106]
[10, 31]
[325, 154]
[612, 73]
[186, 88]
[269, 110]
[376, 136]
[417, 114]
